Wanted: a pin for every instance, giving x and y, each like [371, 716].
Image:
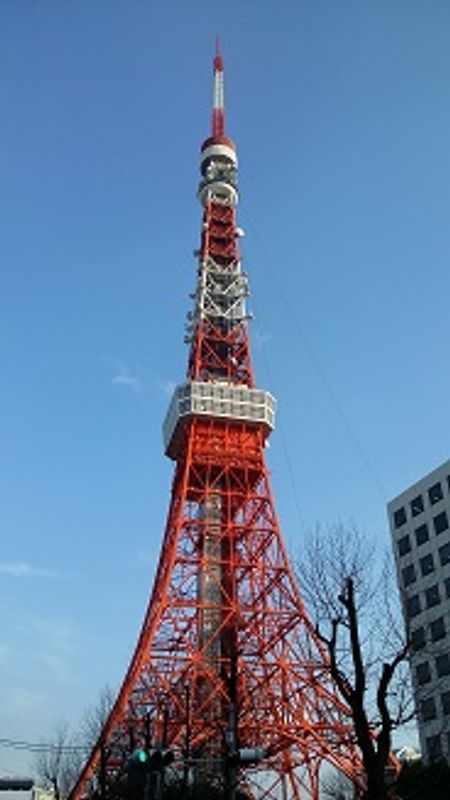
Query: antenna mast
[218, 115]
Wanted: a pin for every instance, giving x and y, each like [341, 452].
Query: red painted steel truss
[225, 627]
[222, 529]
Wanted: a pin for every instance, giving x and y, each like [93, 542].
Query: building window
[409, 574]
[404, 545]
[445, 700]
[444, 554]
[413, 606]
[440, 522]
[421, 534]
[443, 665]
[423, 673]
[428, 709]
[432, 596]
[416, 505]
[447, 587]
[399, 517]
[418, 639]
[435, 493]
[427, 564]
[434, 747]
[437, 629]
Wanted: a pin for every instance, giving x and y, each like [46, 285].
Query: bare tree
[357, 619]
[57, 764]
[95, 717]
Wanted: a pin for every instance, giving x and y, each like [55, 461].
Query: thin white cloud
[124, 374]
[138, 376]
[127, 380]
[21, 569]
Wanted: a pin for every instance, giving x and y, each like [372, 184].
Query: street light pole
[231, 771]
[187, 740]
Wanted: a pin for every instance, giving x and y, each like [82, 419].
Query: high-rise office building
[419, 520]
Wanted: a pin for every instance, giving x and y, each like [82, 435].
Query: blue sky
[341, 115]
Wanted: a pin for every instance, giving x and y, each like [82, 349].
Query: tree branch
[384, 736]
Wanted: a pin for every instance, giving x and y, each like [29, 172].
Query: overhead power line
[39, 747]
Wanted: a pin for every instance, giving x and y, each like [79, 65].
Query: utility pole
[231, 765]
[231, 735]
[187, 739]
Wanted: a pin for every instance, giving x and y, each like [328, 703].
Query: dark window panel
[447, 587]
[432, 596]
[435, 493]
[440, 522]
[408, 574]
[443, 665]
[404, 545]
[444, 554]
[399, 517]
[434, 747]
[413, 606]
[427, 564]
[417, 505]
[428, 709]
[422, 535]
[445, 700]
[423, 673]
[418, 639]
[437, 629]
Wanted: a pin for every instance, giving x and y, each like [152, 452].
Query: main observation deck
[217, 400]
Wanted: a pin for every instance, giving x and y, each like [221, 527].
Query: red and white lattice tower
[227, 657]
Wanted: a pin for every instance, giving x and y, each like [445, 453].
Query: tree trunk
[376, 786]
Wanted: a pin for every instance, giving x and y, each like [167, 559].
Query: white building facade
[419, 519]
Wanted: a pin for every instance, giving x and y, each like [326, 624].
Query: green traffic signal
[138, 759]
[142, 761]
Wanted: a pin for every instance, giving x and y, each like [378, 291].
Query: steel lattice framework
[226, 640]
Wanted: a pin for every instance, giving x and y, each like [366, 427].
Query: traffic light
[137, 770]
[143, 761]
[160, 759]
[143, 767]
[247, 756]
[138, 759]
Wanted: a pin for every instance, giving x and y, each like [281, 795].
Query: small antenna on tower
[218, 115]
[218, 61]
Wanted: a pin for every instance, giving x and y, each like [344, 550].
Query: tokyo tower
[228, 672]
